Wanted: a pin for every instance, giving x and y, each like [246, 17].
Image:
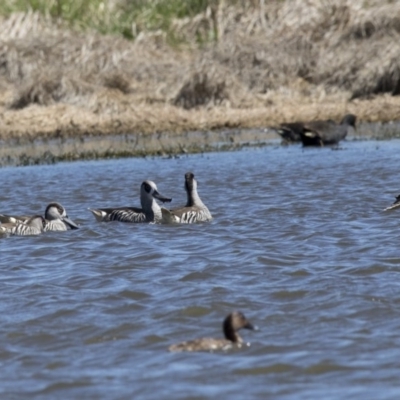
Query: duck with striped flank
[55, 215]
[232, 323]
[35, 225]
[149, 213]
[194, 210]
[395, 205]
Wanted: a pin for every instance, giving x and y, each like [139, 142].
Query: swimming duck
[55, 215]
[193, 211]
[57, 218]
[396, 204]
[35, 225]
[232, 323]
[150, 211]
[317, 133]
[321, 133]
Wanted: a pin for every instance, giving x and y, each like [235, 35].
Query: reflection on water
[299, 243]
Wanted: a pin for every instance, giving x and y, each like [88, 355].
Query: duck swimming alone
[55, 215]
[232, 323]
[150, 211]
[35, 225]
[194, 210]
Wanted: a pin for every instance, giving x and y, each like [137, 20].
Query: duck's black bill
[71, 223]
[162, 198]
[251, 326]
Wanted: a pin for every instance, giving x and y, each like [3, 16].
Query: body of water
[299, 244]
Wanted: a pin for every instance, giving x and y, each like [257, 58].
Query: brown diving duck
[232, 323]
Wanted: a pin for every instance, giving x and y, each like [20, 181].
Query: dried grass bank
[238, 64]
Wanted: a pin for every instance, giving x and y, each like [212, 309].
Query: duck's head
[57, 211]
[54, 211]
[149, 190]
[349, 119]
[234, 322]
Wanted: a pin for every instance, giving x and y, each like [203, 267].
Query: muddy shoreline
[39, 151]
[16, 152]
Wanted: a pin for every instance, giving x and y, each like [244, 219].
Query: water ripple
[299, 243]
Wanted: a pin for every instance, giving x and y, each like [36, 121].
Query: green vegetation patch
[123, 17]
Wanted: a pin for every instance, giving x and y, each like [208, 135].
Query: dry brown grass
[295, 59]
